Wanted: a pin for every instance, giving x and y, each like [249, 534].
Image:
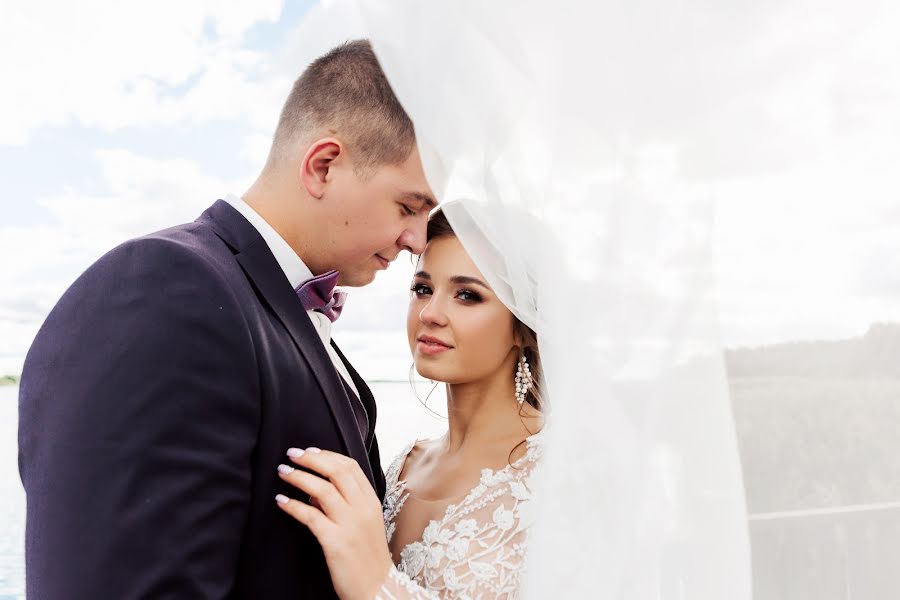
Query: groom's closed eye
[418, 201]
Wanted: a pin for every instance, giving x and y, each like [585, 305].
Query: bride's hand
[348, 520]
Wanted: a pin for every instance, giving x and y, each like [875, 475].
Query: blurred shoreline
[870, 356]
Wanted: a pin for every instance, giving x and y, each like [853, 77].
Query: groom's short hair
[346, 93]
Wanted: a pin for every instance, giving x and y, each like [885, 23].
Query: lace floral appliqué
[477, 550]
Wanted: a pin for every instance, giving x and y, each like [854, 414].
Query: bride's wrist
[378, 583]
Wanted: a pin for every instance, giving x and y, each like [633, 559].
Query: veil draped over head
[578, 150]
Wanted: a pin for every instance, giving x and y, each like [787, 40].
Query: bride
[456, 510]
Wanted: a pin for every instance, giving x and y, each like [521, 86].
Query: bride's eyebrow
[463, 279]
[459, 279]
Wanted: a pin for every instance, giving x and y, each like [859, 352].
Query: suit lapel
[368, 399]
[260, 266]
[365, 394]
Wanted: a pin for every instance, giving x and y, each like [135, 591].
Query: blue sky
[122, 118]
[58, 153]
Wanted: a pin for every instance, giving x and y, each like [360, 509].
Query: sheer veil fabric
[606, 254]
[579, 150]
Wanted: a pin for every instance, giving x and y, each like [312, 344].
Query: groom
[166, 385]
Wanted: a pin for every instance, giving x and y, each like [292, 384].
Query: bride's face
[458, 330]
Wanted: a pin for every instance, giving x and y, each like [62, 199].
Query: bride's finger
[342, 471]
[325, 493]
[312, 517]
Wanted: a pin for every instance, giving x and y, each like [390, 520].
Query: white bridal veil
[589, 143]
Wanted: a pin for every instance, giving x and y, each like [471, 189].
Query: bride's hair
[439, 227]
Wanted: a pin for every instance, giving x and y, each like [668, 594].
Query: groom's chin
[357, 278]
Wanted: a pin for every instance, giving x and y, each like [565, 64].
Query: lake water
[12, 501]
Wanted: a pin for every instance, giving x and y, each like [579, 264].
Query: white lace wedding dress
[477, 550]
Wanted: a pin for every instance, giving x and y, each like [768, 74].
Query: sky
[118, 119]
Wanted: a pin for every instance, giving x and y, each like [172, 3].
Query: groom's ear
[317, 163]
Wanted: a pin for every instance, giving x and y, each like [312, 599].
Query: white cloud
[255, 149]
[114, 64]
[141, 195]
[804, 169]
[796, 250]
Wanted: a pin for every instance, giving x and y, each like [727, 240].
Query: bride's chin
[427, 371]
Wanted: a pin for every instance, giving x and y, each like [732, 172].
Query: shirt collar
[294, 268]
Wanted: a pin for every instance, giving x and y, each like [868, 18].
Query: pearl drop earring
[524, 380]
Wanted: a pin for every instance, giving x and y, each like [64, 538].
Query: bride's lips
[431, 345]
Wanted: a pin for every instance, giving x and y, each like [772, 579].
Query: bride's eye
[420, 289]
[468, 296]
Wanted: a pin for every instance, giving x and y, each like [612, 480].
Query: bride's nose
[433, 313]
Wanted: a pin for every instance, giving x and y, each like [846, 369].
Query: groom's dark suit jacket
[155, 405]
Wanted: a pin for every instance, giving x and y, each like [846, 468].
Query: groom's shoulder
[187, 250]
[194, 239]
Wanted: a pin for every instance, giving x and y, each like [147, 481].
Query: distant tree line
[874, 355]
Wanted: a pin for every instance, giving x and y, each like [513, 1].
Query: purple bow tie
[318, 294]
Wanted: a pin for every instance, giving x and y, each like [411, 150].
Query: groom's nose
[413, 239]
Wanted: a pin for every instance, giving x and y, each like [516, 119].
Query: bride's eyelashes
[420, 289]
[467, 296]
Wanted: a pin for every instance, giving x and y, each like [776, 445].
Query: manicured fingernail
[285, 470]
[281, 499]
[313, 450]
[295, 452]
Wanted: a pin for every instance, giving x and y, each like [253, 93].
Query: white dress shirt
[296, 272]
